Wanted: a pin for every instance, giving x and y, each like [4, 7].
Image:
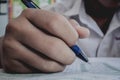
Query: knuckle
[11, 67]
[73, 39]
[12, 27]
[58, 17]
[71, 59]
[26, 11]
[68, 60]
[6, 43]
[7, 66]
[53, 22]
[8, 47]
[53, 67]
[29, 13]
[15, 28]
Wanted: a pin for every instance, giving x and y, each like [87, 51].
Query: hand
[39, 41]
[1, 39]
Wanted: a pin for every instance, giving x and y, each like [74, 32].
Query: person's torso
[98, 44]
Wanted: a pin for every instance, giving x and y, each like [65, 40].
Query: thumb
[82, 31]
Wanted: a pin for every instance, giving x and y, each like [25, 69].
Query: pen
[79, 53]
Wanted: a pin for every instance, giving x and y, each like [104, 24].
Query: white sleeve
[61, 6]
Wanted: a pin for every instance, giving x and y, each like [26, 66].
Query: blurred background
[12, 8]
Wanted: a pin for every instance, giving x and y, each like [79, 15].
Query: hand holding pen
[79, 53]
[39, 41]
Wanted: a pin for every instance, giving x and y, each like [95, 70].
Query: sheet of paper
[99, 69]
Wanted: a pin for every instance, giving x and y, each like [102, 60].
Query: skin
[0, 50]
[39, 41]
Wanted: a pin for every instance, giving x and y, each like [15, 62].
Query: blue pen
[79, 53]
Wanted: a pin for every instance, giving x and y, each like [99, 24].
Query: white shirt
[98, 44]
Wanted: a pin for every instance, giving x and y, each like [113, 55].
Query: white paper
[99, 69]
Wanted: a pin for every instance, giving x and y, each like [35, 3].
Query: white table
[99, 69]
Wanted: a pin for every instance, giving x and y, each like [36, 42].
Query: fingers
[82, 31]
[8, 63]
[51, 46]
[14, 66]
[53, 23]
[20, 53]
[40, 39]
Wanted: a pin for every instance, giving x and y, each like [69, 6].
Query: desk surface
[99, 69]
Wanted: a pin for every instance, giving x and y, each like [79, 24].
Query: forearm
[1, 38]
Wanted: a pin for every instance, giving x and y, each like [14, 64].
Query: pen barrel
[30, 4]
[79, 53]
